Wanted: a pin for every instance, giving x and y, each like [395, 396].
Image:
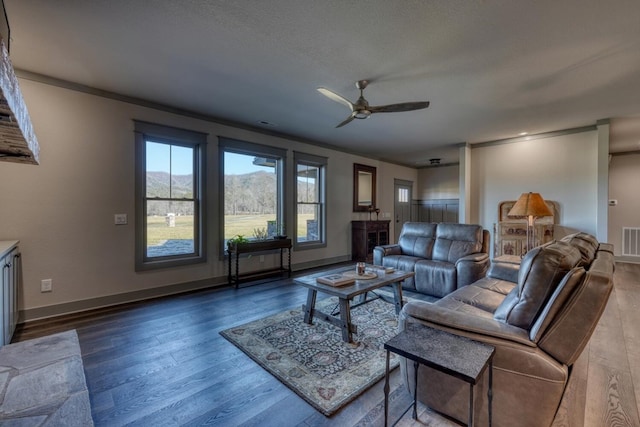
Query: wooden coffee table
[347, 293]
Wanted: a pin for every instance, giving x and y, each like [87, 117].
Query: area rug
[42, 383]
[312, 360]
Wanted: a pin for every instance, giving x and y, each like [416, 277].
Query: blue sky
[236, 164]
[169, 158]
[159, 158]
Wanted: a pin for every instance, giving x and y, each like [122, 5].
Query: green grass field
[158, 231]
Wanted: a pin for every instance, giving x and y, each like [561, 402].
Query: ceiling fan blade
[394, 108]
[335, 97]
[348, 120]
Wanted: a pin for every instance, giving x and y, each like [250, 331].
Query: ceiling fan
[362, 110]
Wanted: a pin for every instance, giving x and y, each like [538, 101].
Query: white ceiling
[491, 69]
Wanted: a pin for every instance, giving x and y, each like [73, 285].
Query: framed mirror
[364, 187]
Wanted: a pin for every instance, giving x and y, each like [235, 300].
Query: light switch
[120, 219]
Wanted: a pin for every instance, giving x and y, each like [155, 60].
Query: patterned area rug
[312, 360]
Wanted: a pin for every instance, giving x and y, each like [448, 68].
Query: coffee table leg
[311, 304]
[345, 318]
[397, 296]
[386, 392]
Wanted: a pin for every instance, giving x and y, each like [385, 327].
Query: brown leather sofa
[444, 256]
[539, 315]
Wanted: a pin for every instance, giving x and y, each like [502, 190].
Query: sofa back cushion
[454, 241]
[585, 243]
[570, 329]
[417, 239]
[541, 271]
[557, 301]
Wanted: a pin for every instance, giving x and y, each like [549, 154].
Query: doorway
[403, 191]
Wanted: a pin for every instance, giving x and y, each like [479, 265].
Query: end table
[433, 348]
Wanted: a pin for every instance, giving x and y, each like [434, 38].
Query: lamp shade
[530, 204]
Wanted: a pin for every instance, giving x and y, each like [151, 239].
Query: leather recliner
[444, 256]
[538, 315]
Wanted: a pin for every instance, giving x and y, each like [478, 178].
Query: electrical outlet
[120, 219]
[261, 258]
[46, 285]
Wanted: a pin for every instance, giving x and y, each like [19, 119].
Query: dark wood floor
[163, 362]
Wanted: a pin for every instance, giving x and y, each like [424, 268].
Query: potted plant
[235, 240]
[260, 233]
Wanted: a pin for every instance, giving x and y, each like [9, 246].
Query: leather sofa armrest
[471, 268]
[464, 323]
[474, 258]
[380, 252]
[504, 271]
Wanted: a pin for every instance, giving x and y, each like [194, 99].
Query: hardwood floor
[163, 362]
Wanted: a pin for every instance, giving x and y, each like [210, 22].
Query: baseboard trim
[55, 310]
[39, 313]
[320, 263]
[627, 259]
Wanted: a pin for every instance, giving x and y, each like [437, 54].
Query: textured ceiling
[491, 69]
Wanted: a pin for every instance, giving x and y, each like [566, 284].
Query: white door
[402, 205]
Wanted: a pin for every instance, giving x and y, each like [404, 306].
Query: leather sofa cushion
[570, 330]
[405, 263]
[541, 271]
[454, 241]
[435, 278]
[481, 298]
[585, 243]
[417, 239]
[504, 271]
[558, 300]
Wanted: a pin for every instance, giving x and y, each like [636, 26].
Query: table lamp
[530, 206]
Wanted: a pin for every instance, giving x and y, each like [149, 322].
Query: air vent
[630, 241]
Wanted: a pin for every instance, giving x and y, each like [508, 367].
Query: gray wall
[624, 177]
[62, 210]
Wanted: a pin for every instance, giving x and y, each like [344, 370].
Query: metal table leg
[415, 390]
[386, 392]
[490, 392]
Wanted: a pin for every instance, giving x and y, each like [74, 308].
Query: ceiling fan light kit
[361, 108]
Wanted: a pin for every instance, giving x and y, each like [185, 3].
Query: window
[252, 193]
[169, 196]
[310, 200]
[403, 195]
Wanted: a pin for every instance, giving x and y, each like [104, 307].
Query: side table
[451, 354]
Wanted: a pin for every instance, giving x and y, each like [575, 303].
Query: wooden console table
[260, 246]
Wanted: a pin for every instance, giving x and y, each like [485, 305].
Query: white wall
[624, 177]
[62, 210]
[561, 168]
[440, 182]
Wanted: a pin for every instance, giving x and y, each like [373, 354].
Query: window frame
[257, 150]
[321, 163]
[145, 131]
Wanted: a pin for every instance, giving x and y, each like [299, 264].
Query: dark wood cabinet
[366, 235]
